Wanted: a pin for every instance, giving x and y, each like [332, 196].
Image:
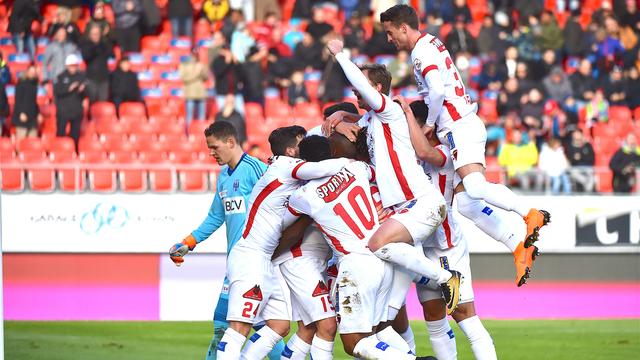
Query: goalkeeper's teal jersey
[230, 204]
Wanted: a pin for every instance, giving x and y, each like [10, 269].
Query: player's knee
[474, 185]
[349, 346]
[464, 311]
[375, 243]
[434, 310]
[281, 327]
[326, 329]
[466, 205]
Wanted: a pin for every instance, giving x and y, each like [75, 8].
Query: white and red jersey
[430, 54]
[311, 244]
[270, 195]
[393, 155]
[342, 207]
[441, 177]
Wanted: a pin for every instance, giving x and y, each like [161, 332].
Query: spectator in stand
[460, 39]
[528, 9]
[547, 33]
[434, 23]
[489, 39]
[519, 159]
[124, 84]
[461, 12]
[297, 91]
[511, 61]
[308, 53]
[63, 21]
[522, 38]
[26, 114]
[378, 44]
[333, 80]
[510, 98]
[574, 36]
[253, 79]
[624, 163]
[633, 89]
[267, 8]
[401, 70]
[257, 152]
[491, 77]
[180, 13]
[279, 69]
[230, 22]
[616, 88]
[128, 14]
[582, 159]
[74, 6]
[55, 54]
[631, 16]
[96, 51]
[554, 164]
[193, 74]
[247, 7]
[556, 122]
[215, 10]
[350, 8]
[241, 42]
[532, 113]
[597, 110]
[23, 14]
[557, 85]
[524, 81]
[217, 42]
[607, 51]
[353, 33]
[229, 114]
[70, 91]
[5, 78]
[582, 82]
[98, 19]
[541, 69]
[318, 27]
[263, 31]
[226, 72]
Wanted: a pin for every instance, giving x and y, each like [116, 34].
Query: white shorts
[256, 288]
[421, 216]
[400, 286]
[362, 296]
[310, 294]
[467, 140]
[455, 258]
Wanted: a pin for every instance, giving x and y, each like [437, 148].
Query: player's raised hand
[331, 121]
[179, 250]
[335, 46]
[349, 130]
[403, 103]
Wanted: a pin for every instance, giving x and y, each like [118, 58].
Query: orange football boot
[523, 258]
[535, 220]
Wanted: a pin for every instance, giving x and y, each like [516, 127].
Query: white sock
[442, 339]
[296, 349]
[370, 348]
[260, 344]
[394, 339]
[493, 223]
[480, 340]
[477, 186]
[321, 349]
[410, 339]
[406, 256]
[230, 345]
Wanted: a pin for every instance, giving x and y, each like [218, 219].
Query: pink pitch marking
[550, 300]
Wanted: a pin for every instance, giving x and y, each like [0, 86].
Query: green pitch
[189, 340]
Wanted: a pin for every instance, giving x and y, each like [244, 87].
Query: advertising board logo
[103, 215]
[618, 226]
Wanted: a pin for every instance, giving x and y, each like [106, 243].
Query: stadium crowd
[556, 81]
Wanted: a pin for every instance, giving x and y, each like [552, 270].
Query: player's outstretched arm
[370, 95]
[423, 149]
[317, 170]
[292, 234]
[436, 96]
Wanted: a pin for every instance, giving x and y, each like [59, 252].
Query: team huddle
[347, 216]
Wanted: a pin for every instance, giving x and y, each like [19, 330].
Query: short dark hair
[362, 147]
[285, 137]
[221, 130]
[342, 147]
[343, 106]
[378, 74]
[400, 14]
[315, 148]
[420, 111]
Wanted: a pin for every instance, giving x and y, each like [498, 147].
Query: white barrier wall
[151, 223]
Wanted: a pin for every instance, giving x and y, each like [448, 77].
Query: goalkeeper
[238, 175]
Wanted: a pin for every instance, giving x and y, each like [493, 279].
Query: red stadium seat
[253, 111]
[135, 109]
[102, 110]
[604, 180]
[161, 177]
[277, 109]
[117, 143]
[142, 127]
[171, 128]
[7, 149]
[72, 180]
[100, 179]
[39, 171]
[154, 44]
[31, 144]
[619, 114]
[307, 111]
[12, 179]
[62, 144]
[111, 127]
[197, 128]
[193, 180]
[131, 179]
[147, 143]
[89, 143]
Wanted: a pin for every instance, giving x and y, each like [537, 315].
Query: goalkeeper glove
[179, 250]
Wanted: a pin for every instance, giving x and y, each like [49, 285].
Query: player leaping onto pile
[419, 209]
[461, 129]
